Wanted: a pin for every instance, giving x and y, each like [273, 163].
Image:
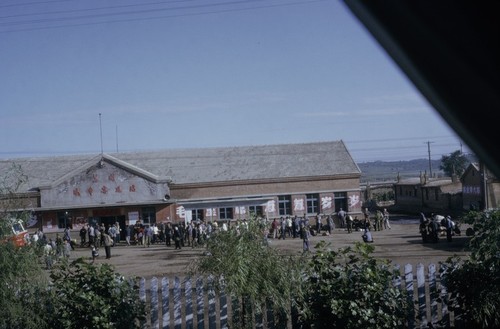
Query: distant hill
[388, 170]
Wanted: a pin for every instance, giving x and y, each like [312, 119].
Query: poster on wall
[133, 217]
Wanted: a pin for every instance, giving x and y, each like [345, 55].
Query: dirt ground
[402, 245]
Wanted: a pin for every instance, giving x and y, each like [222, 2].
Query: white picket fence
[194, 303]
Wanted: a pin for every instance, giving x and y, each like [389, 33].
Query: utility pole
[100, 128]
[430, 164]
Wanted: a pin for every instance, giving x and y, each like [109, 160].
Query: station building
[210, 184]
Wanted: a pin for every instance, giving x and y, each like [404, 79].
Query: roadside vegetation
[474, 283]
[345, 288]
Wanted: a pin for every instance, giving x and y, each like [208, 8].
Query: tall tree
[455, 163]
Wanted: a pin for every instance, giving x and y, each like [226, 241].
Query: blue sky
[193, 73]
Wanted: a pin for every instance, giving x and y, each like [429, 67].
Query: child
[95, 253]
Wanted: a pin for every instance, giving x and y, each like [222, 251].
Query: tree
[474, 283]
[348, 288]
[455, 163]
[251, 270]
[22, 280]
[22, 286]
[10, 200]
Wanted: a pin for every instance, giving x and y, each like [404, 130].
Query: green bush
[348, 288]
[23, 285]
[474, 283]
[87, 296]
[251, 270]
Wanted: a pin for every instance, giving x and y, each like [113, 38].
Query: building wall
[313, 185]
[471, 189]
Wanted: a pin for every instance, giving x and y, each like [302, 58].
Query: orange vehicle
[17, 234]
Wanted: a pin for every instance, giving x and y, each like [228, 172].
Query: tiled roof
[203, 165]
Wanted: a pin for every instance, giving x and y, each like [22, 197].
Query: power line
[22, 4]
[53, 20]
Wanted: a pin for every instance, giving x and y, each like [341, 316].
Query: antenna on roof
[100, 126]
[116, 138]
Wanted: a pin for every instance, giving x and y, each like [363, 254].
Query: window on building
[340, 199]
[256, 211]
[285, 205]
[426, 194]
[312, 203]
[197, 214]
[225, 213]
[148, 215]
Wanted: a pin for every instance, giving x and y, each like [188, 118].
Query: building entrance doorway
[107, 221]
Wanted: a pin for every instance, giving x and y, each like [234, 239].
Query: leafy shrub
[474, 283]
[87, 296]
[22, 287]
[348, 288]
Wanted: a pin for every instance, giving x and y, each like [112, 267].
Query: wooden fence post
[154, 303]
[142, 297]
[189, 303]
[433, 293]
[223, 309]
[211, 304]
[409, 292]
[165, 301]
[177, 304]
[422, 310]
[200, 302]
[445, 314]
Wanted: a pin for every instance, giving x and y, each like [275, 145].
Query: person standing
[48, 252]
[289, 226]
[91, 232]
[148, 235]
[168, 235]
[449, 228]
[378, 220]
[128, 232]
[155, 232]
[67, 248]
[177, 238]
[108, 242]
[275, 226]
[295, 226]
[367, 223]
[283, 228]
[112, 233]
[342, 214]
[83, 236]
[67, 237]
[117, 235]
[331, 224]
[305, 238]
[95, 252]
[349, 223]
[318, 224]
[387, 225]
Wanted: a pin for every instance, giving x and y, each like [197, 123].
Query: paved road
[402, 245]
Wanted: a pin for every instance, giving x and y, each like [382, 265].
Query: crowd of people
[435, 226]
[196, 232]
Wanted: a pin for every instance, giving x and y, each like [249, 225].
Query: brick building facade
[185, 184]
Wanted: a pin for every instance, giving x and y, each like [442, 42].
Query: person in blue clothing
[305, 234]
